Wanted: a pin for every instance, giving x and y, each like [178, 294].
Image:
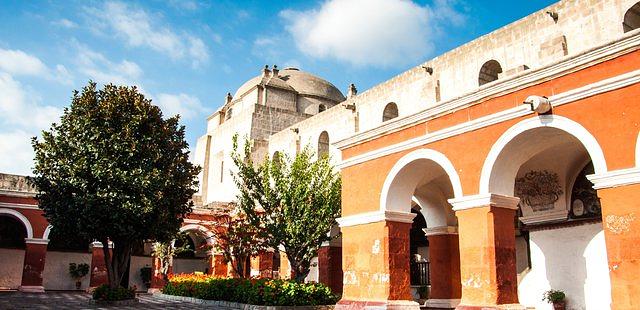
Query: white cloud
[25, 115]
[64, 23]
[19, 63]
[102, 70]
[368, 32]
[16, 154]
[184, 105]
[140, 29]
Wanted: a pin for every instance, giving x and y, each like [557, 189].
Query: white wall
[572, 259]
[189, 265]
[314, 273]
[11, 262]
[56, 270]
[138, 262]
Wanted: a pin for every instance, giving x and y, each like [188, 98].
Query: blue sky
[186, 55]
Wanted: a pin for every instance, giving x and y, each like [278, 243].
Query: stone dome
[293, 79]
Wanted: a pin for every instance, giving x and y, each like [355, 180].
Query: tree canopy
[113, 169]
[296, 201]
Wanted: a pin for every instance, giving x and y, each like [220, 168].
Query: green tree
[114, 170]
[296, 202]
[237, 240]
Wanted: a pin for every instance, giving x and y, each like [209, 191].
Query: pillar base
[31, 289]
[154, 290]
[496, 307]
[442, 303]
[377, 305]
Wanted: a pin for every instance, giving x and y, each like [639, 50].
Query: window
[322, 108]
[323, 144]
[632, 18]
[489, 72]
[390, 112]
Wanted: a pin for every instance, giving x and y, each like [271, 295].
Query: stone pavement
[79, 300]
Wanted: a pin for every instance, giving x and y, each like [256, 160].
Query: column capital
[615, 178]
[98, 244]
[484, 200]
[442, 230]
[36, 241]
[376, 216]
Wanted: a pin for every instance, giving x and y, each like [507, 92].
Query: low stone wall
[234, 305]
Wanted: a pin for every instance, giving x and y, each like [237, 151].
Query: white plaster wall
[11, 262]
[138, 262]
[56, 270]
[187, 265]
[571, 259]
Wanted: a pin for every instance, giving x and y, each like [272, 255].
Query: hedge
[262, 292]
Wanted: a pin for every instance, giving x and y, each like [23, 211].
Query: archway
[544, 161]
[200, 243]
[422, 182]
[14, 228]
[631, 19]
[489, 72]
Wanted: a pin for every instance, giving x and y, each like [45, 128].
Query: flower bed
[264, 292]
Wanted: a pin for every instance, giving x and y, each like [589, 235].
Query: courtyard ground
[79, 300]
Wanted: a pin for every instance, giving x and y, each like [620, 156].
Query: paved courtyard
[77, 300]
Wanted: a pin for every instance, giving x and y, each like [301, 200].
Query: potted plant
[555, 297]
[145, 275]
[77, 272]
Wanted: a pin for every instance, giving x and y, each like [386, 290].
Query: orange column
[98, 274]
[218, 266]
[34, 259]
[487, 251]
[330, 267]
[375, 260]
[265, 265]
[444, 267]
[158, 280]
[621, 224]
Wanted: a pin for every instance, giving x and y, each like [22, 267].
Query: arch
[489, 72]
[631, 19]
[47, 231]
[201, 229]
[390, 111]
[323, 144]
[19, 216]
[423, 154]
[545, 121]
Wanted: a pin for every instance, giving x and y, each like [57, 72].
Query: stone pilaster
[330, 267]
[33, 267]
[619, 193]
[98, 275]
[487, 251]
[444, 267]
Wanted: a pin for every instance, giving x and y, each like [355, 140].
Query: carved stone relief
[539, 190]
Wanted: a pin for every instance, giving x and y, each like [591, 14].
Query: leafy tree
[114, 170]
[296, 201]
[238, 240]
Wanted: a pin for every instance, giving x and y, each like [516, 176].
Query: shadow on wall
[572, 259]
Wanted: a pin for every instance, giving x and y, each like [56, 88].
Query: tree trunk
[299, 270]
[116, 261]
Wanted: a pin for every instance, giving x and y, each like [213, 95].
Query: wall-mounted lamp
[350, 106]
[296, 130]
[428, 69]
[538, 104]
[553, 15]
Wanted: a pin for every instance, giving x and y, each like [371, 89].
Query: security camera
[539, 104]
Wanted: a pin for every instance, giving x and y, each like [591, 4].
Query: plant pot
[78, 284]
[559, 305]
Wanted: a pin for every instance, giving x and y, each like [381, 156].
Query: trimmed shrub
[262, 292]
[104, 292]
